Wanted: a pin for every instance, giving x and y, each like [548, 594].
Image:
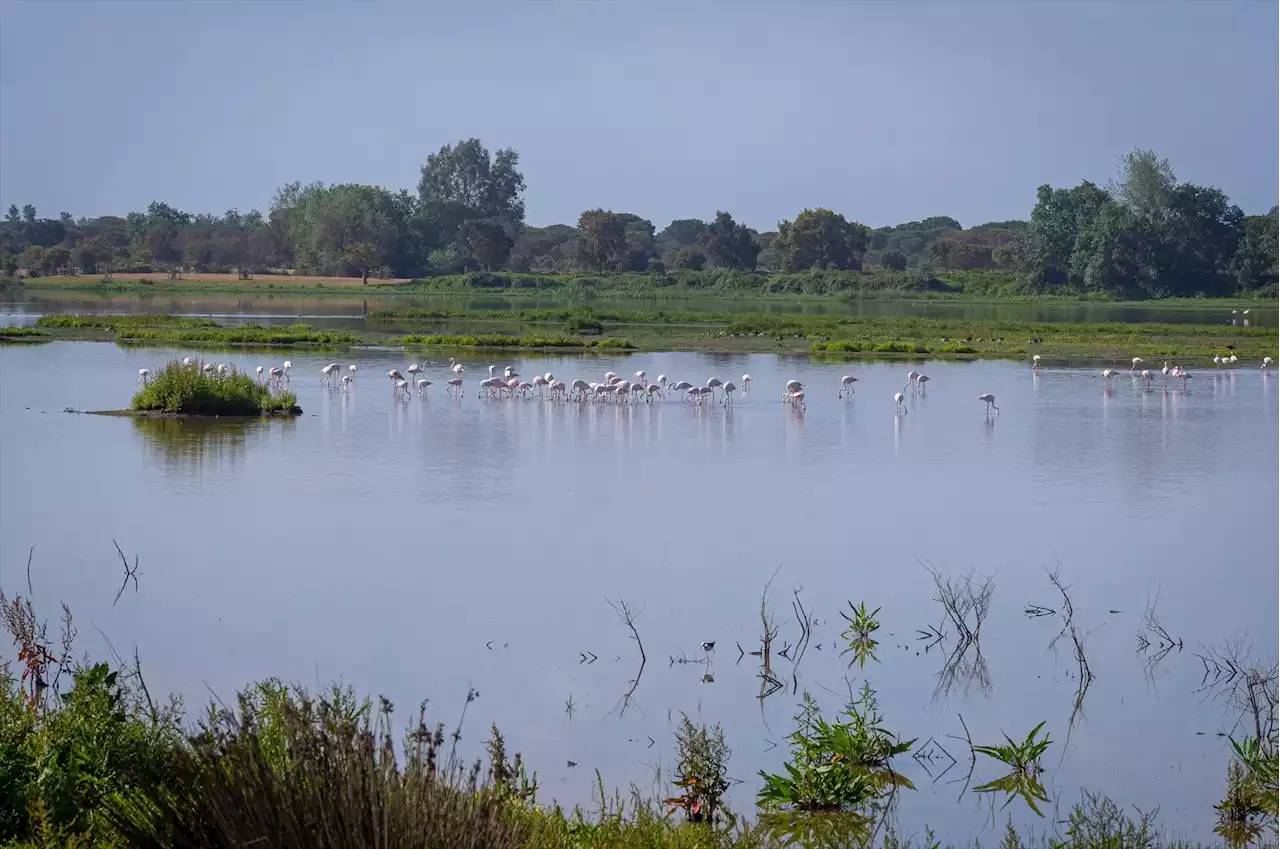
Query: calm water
[23, 306]
[385, 543]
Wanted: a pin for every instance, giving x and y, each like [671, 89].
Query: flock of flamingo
[618, 390]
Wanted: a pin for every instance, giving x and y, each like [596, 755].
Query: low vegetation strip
[189, 389]
[497, 340]
[23, 334]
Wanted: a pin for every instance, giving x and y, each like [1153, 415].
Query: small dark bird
[571, 764]
[709, 645]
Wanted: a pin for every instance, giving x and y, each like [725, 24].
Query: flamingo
[746, 383]
[1137, 361]
[639, 375]
[990, 401]
[402, 388]
[346, 382]
[510, 372]
[1146, 375]
[920, 382]
[653, 390]
[1217, 361]
[186, 362]
[793, 386]
[538, 382]
[275, 375]
[288, 366]
[1180, 372]
[351, 369]
[729, 389]
[423, 383]
[846, 383]
[1165, 370]
[549, 377]
[223, 369]
[1035, 362]
[455, 386]
[328, 374]
[207, 368]
[1266, 364]
[1234, 359]
[144, 375]
[898, 405]
[395, 375]
[1107, 374]
[609, 376]
[712, 383]
[413, 369]
[911, 379]
[797, 400]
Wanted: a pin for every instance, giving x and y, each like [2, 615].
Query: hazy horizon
[885, 112]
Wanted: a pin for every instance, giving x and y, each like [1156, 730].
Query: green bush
[191, 391]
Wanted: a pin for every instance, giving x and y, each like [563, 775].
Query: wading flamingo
[423, 383]
[1137, 361]
[846, 384]
[990, 401]
[898, 405]
[144, 375]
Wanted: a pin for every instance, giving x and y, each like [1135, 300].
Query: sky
[883, 111]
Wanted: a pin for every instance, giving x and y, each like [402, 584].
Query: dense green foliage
[196, 331]
[189, 390]
[1147, 236]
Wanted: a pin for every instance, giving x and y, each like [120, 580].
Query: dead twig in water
[966, 603]
[128, 573]
[973, 757]
[769, 683]
[30, 553]
[628, 617]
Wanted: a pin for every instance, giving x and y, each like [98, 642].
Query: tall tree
[464, 177]
[820, 238]
[730, 245]
[486, 242]
[602, 239]
[1144, 183]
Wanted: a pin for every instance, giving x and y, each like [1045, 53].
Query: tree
[13, 216]
[28, 213]
[729, 245]
[35, 260]
[329, 223]
[1145, 184]
[1256, 259]
[681, 232]
[820, 238]
[688, 256]
[485, 242]
[894, 260]
[46, 232]
[602, 239]
[462, 182]
[641, 247]
[1199, 236]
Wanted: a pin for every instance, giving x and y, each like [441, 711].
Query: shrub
[191, 391]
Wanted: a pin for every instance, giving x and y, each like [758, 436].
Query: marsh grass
[1023, 760]
[498, 340]
[187, 390]
[195, 331]
[23, 334]
[862, 624]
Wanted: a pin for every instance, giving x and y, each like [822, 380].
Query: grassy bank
[878, 283]
[585, 329]
[189, 390]
[23, 334]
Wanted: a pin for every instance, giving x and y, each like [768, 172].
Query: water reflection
[187, 448]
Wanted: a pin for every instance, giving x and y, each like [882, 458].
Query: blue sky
[885, 111]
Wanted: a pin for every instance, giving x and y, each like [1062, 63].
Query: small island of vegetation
[191, 389]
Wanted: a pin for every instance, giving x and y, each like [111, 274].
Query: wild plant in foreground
[702, 759]
[840, 766]
[1024, 762]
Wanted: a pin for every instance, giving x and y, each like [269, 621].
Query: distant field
[260, 280]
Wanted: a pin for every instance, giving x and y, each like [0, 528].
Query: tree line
[1145, 235]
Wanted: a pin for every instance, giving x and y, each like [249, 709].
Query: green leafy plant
[840, 766]
[702, 759]
[1250, 804]
[1024, 777]
[862, 625]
